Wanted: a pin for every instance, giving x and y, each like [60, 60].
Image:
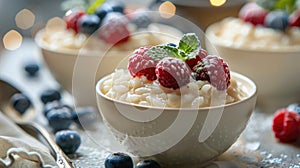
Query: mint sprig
[287, 5]
[188, 47]
[90, 6]
[189, 43]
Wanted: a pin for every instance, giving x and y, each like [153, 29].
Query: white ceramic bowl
[78, 70]
[172, 135]
[276, 72]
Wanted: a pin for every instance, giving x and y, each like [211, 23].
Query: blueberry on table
[68, 140]
[147, 164]
[56, 105]
[20, 102]
[118, 160]
[50, 95]
[277, 20]
[88, 24]
[59, 119]
[32, 69]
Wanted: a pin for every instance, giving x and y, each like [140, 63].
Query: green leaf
[189, 43]
[287, 5]
[159, 52]
[94, 6]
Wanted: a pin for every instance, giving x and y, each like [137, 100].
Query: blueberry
[50, 95]
[294, 107]
[171, 45]
[117, 6]
[32, 69]
[84, 116]
[277, 20]
[59, 119]
[141, 19]
[118, 160]
[20, 102]
[88, 23]
[103, 10]
[147, 164]
[68, 140]
[55, 105]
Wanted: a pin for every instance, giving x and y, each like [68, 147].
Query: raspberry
[72, 20]
[286, 125]
[172, 72]
[294, 19]
[142, 65]
[214, 70]
[253, 13]
[114, 30]
[194, 61]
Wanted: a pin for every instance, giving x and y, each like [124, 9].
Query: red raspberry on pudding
[172, 72]
[214, 70]
[142, 65]
[194, 61]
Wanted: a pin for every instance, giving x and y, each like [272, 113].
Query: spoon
[25, 121]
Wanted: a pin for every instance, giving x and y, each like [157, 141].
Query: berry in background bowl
[175, 103]
[103, 33]
[262, 43]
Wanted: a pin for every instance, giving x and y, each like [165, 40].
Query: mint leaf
[288, 5]
[94, 6]
[159, 52]
[189, 43]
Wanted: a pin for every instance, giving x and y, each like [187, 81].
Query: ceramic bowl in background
[275, 71]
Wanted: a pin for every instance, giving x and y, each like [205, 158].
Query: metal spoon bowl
[25, 121]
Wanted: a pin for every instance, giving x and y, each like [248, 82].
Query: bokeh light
[217, 2]
[25, 19]
[167, 9]
[55, 24]
[12, 40]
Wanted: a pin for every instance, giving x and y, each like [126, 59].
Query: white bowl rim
[240, 76]
[213, 39]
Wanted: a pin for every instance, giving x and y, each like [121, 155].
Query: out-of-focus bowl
[78, 69]
[274, 71]
[172, 135]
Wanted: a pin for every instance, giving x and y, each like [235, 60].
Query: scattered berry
[59, 119]
[192, 62]
[172, 72]
[141, 18]
[32, 69]
[69, 141]
[286, 125]
[72, 18]
[147, 164]
[277, 20]
[84, 116]
[88, 24]
[50, 95]
[118, 160]
[20, 102]
[141, 65]
[55, 105]
[114, 29]
[294, 19]
[214, 70]
[253, 13]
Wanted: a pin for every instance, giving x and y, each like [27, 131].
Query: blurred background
[23, 18]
